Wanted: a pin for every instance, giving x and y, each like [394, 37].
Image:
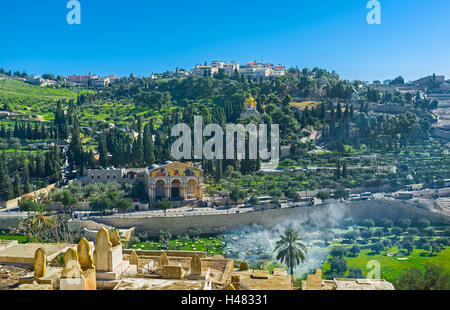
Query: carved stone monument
[40, 263]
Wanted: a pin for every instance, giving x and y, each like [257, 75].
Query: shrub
[338, 251]
[355, 249]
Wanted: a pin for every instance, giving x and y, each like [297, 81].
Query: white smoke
[256, 245]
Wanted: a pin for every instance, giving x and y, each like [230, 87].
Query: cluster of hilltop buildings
[252, 70]
[73, 80]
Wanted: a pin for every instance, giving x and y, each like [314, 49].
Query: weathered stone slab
[260, 274]
[172, 272]
[314, 281]
[72, 268]
[84, 254]
[115, 238]
[40, 263]
[134, 259]
[163, 259]
[103, 253]
[196, 265]
[116, 274]
[69, 284]
[280, 272]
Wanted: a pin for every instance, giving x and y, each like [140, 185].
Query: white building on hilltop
[255, 70]
[252, 70]
[211, 70]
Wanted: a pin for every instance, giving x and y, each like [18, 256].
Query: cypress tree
[17, 187]
[344, 169]
[149, 156]
[6, 188]
[40, 166]
[26, 184]
[103, 152]
[218, 174]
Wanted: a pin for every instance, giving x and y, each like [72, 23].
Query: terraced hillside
[32, 100]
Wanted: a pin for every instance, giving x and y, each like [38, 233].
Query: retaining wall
[208, 224]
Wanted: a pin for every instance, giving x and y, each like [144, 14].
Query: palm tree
[290, 250]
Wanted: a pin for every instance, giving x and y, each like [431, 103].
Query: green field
[213, 245]
[391, 267]
[21, 239]
[35, 101]
[18, 89]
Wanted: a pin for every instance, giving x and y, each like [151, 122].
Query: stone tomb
[78, 272]
[169, 271]
[197, 271]
[40, 278]
[40, 263]
[108, 260]
[172, 272]
[163, 259]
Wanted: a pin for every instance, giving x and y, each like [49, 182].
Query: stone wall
[15, 202]
[209, 224]
[395, 210]
[7, 223]
[206, 224]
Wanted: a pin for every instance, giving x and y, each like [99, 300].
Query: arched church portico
[175, 189]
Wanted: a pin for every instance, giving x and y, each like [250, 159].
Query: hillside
[32, 100]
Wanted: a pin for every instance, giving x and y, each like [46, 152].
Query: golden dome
[250, 102]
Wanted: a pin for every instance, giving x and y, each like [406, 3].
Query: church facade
[176, 181]
[172, 180]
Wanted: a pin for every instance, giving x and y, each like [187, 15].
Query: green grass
[192, 245]
[391, 268]
[21, 239]
[20, 90]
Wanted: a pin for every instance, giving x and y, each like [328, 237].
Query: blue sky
[141, 37]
